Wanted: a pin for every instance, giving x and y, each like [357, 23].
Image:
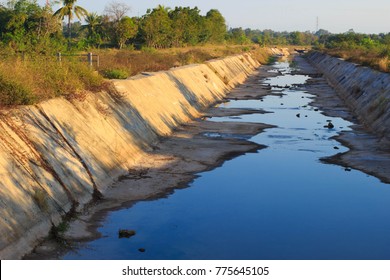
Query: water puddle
[279, 203]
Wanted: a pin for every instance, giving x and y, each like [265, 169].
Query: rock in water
[125, 233]
[329, 125]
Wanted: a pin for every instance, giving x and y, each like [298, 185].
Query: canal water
[279, 203]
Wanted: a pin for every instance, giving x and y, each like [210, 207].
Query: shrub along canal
[279, 203]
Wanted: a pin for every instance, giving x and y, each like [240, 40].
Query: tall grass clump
[34, 79]
[14, 92]
[384, 64]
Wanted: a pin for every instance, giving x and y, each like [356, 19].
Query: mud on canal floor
[277, 200]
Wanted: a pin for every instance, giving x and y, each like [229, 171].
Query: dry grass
[151, 60]
[372, 59]
[30, 80]
[384, 64]
[34, 79]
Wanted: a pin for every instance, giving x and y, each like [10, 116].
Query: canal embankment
[60, 155]
[365, 91]
[281, 202]
[360, 95]
[63, 155]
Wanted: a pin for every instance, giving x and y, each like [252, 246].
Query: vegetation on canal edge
[32, 79]
[32, 35]
[369, 50]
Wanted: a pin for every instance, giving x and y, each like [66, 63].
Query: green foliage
[30, 36]
[14, 93]
[237, 36]
[27, 27]
[69, 10]
[367, 49]
[186, 23]
[38, 78]
[214, 27]
[148, 49]
[269, 37]
[156, 28]
[94, 38]
[115, 74]
[57, 232]
[125, 29]
[163, 28]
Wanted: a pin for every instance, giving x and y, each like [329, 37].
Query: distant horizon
[370, 17]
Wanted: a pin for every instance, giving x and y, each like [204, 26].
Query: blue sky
[366, 16]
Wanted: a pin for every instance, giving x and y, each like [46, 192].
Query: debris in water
[142, 250]
[329, 125]
[125, 233]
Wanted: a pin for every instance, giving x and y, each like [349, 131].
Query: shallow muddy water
[279, 203]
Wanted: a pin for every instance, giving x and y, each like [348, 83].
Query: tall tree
[186, 26]
[94, 22]
[116, 10]
[70, 9]
[156, 27]
[125, 30]
[119, 27]
[26, 26]
[215, 26]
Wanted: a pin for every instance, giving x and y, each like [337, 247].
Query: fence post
[97, 61]
[59, 57]
[90, 59]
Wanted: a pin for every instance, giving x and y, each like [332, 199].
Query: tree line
[25, 26]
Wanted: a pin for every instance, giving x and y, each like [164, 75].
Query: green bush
[115, 74]
[14, 93]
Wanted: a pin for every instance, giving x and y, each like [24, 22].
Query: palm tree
[93, 20]
[70, 10]
[94, 26]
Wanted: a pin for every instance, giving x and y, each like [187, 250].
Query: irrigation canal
[282, 202]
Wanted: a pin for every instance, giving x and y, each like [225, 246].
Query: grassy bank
[375, 58]
[28, 80]
[370, 50]
[130, 63]
[34, 79]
